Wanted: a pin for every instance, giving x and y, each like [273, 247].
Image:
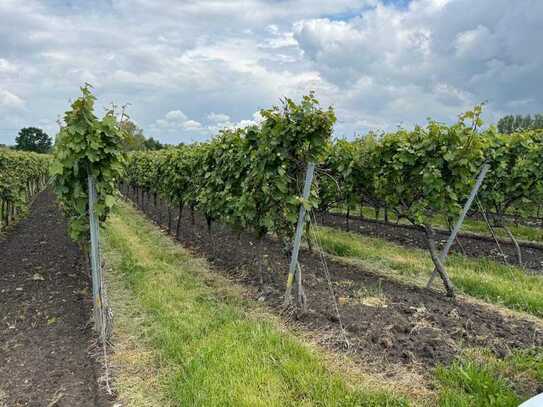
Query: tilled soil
[406, 235]
[384, 320]
[45, 309]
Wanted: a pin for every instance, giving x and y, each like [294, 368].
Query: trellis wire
[316, 240]
[491, 229]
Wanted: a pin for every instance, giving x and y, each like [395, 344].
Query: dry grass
[374, 372]
[136, 365]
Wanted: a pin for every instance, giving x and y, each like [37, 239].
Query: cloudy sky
[190, 67]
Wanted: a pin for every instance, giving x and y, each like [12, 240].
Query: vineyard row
[251, 178]
[22, 175]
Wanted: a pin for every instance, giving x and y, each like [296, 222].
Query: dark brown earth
[45, 307]
[407, 235]
[383, 319]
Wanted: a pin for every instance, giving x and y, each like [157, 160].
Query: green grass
[472, 384]
[481, 278]
[212, 350]
[522, 232]
[480, 379]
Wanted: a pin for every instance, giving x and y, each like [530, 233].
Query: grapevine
[86, 146]
[247, 178]
[22, 175]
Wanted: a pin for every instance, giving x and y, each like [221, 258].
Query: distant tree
[134, 137]
[510, 124]
[152, 144]
[538, 121]
[33, 139]
[135, 140]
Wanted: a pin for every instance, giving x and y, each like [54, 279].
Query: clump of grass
[468, 383]
[478, 378]
[371, 296]
[481, 278]
[3, 398]
[213, 351]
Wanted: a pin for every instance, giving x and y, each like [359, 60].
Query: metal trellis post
[298, 235]
[460, 221]
[96, 261]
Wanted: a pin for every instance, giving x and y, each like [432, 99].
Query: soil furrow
[45, 310]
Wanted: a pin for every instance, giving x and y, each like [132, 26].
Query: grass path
[481, 278]
[523, 232]
[185, 336]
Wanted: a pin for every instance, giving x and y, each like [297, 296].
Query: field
[231, 273]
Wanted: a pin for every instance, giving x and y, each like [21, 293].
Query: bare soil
[45, 307]
[407, 235]
[384, 319]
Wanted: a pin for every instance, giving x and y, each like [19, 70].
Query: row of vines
[251, 178]
[88, 162]
[22, 175]
[430, 170]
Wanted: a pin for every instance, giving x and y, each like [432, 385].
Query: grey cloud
[382, 66]
[447, 55]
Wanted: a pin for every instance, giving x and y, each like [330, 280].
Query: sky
[189, 68]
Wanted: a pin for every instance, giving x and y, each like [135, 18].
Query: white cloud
[216, 125]
[175, 62]
[218, 117]
[10, 100]
[477, 44]
[192, 125]
[434, 58]
[176, 120]
[7, 67]
[176, 116]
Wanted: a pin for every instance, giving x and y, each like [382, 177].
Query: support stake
[96, 262]
[460, 221]
[293, 268]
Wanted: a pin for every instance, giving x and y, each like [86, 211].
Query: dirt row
[407, 235]
[46, 340]
[384, 320]
[531, 221]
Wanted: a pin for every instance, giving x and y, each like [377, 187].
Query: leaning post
[96, 262]
[294, 266]
[460, 221]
